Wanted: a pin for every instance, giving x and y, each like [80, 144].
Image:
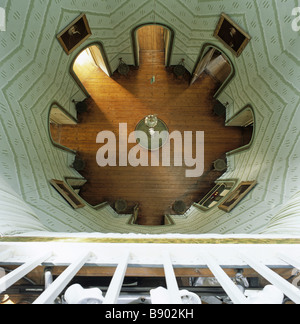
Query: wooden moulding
[67, 194]
[237, 195]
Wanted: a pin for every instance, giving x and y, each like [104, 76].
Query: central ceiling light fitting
[151, 122]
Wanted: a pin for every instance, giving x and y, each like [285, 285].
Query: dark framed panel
[237, 195]
[75, 34]
[231, 35]
[67, 193]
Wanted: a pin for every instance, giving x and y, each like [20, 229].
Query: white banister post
[233, 292]
[5, 255]
[172, 285]
[283, 285]
[22, 271]
[115, 286]
[50, 294]
[290, 261]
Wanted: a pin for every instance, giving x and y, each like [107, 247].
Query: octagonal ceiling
[35, 73]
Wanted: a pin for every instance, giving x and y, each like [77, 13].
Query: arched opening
[59, 119]
[216, 64]
[246, 120]
[92, 60]
[153, 37]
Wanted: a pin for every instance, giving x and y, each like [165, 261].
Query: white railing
[259, 257]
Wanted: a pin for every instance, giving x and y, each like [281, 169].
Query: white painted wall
[15, 215]
[287, 220]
